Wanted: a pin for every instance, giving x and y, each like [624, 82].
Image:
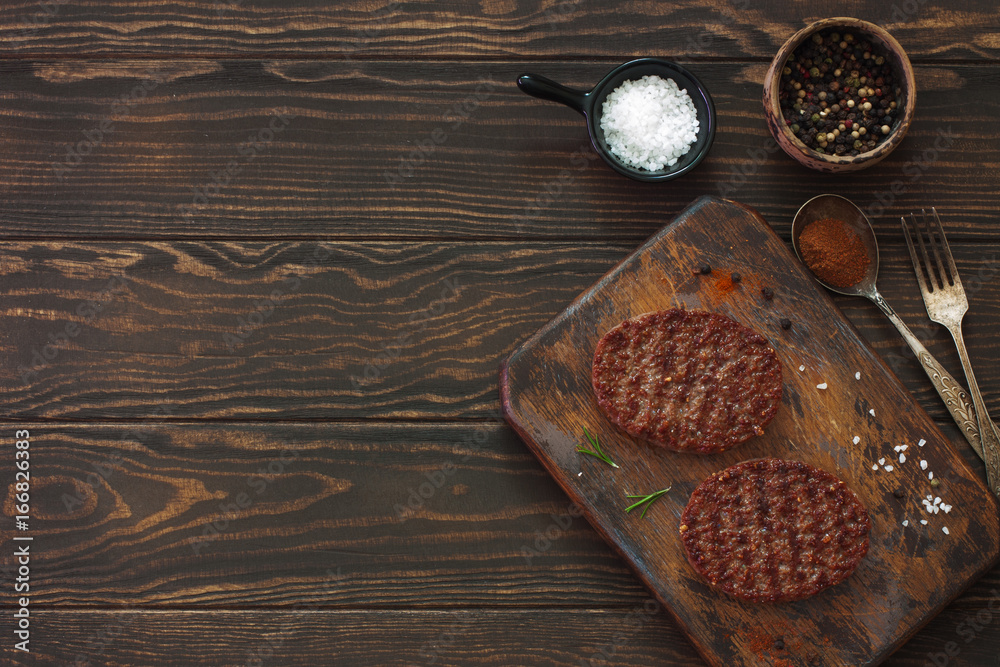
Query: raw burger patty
[769, 530]
[687, 380]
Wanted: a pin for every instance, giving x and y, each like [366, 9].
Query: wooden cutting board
[910, 572]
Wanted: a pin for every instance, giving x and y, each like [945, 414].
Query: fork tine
[918, 266]
[936, 249]
[926, 265]
[952, 269]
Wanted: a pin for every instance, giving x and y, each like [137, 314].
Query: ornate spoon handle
[955, 397]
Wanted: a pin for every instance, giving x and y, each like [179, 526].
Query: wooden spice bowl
[793, 146]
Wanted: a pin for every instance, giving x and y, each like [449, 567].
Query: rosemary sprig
[596, 451]
[647, 500]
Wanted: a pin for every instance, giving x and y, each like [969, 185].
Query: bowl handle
[547, 89]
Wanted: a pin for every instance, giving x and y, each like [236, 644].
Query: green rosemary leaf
[596, 452]
[646, 500]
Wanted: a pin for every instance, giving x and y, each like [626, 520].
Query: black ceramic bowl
[590, 104]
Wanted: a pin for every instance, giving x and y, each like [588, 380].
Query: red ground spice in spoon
[834, 252]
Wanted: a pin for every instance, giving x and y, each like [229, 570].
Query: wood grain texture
[455, 151]
[414, 515]
[119, 504]
[307, 330]
[489, 28]
[546, 395]
[308, 636]
[156, 254]
[322, 546]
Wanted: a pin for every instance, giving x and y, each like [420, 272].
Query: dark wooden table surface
[260, 261]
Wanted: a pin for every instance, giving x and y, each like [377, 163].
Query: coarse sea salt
[944, 529]
[902, 458]
[921, 443]
[649, 123]
[872, 412]
[889, 468]
[936, 506]
[822, 385]
[802, 368]
[906, 522]
[857, 376]
[923, 464]
[857, 439]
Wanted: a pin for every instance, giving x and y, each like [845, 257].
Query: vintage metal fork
[947, 304]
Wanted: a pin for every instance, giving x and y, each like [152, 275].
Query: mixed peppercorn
[728, 283]
[838, 94]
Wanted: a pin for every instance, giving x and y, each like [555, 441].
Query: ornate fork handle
[955, 397]
[989, 439]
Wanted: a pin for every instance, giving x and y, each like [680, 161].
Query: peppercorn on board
[842, 411]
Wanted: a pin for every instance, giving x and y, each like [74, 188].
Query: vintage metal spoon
[955, 397]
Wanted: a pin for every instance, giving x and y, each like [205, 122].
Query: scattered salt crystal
[921, 443]
[874, 466]
[937, 501]
[923, 464]
[881, 461]
[946, 508]
[872, 412]
[923, 522]
[889, 468]
[930, 475]
[903, 448]
[579, 474]
[930, 497]
[802, 368]
[902, 458]
[821, 386]
[857, 439]
[944, 529]
[857, 376]
[898, 448]
[906, 522]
